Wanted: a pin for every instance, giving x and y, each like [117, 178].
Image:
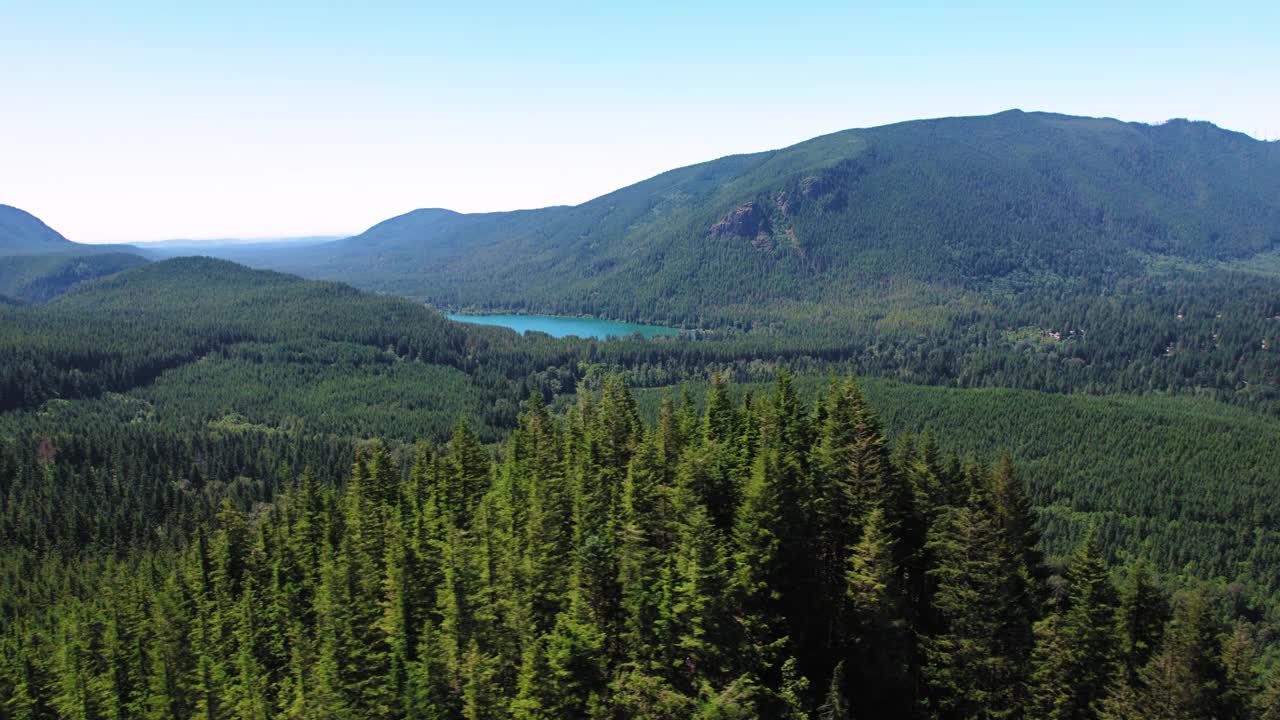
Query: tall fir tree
[1141, 616]
[976, 665]
[1077, 650]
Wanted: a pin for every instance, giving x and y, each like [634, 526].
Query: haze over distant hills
[177, 244]
[953, 202]
[37, 263]
[208, 242]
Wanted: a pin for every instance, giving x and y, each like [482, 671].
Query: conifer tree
[718, 425]
[877, 643]
[396, 625]
[639, 527]
[759, 566]
[975, 666]
[1076, 653]
[1015, 513]
[468, 474]
[790, 697]
[1170, 688]
[73, 666]
[785, 450]
[122, 653]
[481, 697]
[21, 681]
[714, 471]
[670, 438]
[1266, 705]
[1141, 616]
[330, 696]
[307, 527]
[1051, 683]
[1197, 642]
[694, 615]
[170, 657]
[1183, 679]
[532, 684]
[248, 694]
[575, 663]
[1239, 653]
[427, 692]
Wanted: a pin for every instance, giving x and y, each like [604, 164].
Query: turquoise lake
[556, 326]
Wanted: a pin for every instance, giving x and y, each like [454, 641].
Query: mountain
[968, 202]
[37, 263]
[23, 233]
[263, 339]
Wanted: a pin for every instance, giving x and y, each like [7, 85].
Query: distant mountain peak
[22, 233]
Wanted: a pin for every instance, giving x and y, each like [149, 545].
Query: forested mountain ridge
[1216, 336]
[22, 233]
[121, 331]
[953, 202]
[1026, 250]
[39, 278]
[37, 263]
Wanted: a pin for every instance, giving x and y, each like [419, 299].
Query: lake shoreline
[564, 326]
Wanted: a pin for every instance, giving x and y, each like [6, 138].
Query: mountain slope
[955, 202]
[38, 278]
[214, 337]
[37, 263]
[23, 233]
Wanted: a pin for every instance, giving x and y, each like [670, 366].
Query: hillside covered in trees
[184, 532]
[39, 278]
[1029, 250]
[1216, 334]
[755, 559]
[22, 233]
[1017, 199]
[180, 383]
[37, 263]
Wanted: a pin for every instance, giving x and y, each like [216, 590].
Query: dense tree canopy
[197, 521]
[761, 558]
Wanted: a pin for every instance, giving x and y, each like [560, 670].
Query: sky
[129, 121]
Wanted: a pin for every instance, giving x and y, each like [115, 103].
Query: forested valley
[235, 493]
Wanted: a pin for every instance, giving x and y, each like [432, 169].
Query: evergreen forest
[749, 555]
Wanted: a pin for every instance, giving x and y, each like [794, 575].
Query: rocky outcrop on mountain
[749, 221]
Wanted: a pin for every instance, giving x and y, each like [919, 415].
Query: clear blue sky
[136, 121]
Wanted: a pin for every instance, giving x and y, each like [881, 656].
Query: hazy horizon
[134, 124]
